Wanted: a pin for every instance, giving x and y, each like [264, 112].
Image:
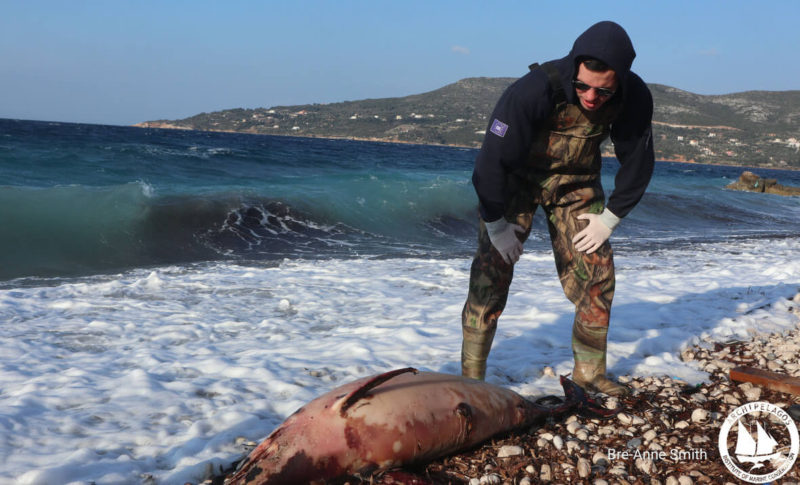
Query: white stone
[600, 458]
[572, 446]
[573, 427]
[510, 450]
[606, 430]
[730, 399]
[584, 468]
[545, 474]
[645, 466]
[699, 415]
[491, 479]
[618, 470]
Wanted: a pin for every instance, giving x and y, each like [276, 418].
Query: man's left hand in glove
[597, 232]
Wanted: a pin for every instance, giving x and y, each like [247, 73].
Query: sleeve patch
[499, 128]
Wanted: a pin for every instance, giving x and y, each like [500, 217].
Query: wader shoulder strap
[555, 81]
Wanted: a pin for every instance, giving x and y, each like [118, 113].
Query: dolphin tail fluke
[584, 404]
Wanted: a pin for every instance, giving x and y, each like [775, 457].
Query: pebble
[753, 394]
[545, 474]
[606, 430]
[558, 442]
[731, 399]
[618, 470]
[573, 427]
[510, 450]
[490, 479]
[699, 415]
[600, 458]
[645, 466]
[584, 467]
[634, 443]
[573, 447]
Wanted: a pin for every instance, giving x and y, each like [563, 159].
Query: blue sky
[125, 61]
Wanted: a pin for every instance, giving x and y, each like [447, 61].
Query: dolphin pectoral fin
[376, 381]
[464, 411]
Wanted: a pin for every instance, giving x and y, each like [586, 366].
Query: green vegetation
[754, 128]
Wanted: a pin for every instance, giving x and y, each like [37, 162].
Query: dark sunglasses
[583, 87]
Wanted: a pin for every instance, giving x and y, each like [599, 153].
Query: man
[542, 148]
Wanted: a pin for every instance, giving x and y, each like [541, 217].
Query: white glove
[597, 232]
[503, 235]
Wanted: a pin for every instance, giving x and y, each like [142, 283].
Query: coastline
[170, 126]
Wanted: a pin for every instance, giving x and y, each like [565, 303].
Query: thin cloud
[458, 49]
[712, 52]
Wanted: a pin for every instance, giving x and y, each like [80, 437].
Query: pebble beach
[667, 432]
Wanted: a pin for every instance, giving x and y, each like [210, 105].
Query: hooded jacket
[526, 105]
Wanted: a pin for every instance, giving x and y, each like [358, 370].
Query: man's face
[591, 99]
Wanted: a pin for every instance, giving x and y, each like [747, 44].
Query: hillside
[753, 128]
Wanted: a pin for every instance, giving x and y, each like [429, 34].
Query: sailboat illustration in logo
[757, 451]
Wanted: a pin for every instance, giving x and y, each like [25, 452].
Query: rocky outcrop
[751, 182]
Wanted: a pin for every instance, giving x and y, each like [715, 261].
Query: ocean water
[167, 295]
[86, 199]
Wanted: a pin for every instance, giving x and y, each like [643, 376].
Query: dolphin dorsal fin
[376, 381]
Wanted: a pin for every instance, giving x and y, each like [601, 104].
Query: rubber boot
[591, 375]
[475, 349]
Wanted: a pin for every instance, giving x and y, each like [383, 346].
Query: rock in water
[750, 182]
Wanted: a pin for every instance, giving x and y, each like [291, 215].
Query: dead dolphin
[392, 419]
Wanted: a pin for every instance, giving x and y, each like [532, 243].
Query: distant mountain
[753, 128]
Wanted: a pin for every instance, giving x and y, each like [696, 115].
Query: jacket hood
[608, 42]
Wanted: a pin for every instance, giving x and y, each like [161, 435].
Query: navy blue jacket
[527, 104]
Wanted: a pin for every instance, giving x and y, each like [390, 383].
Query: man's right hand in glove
[504, 238]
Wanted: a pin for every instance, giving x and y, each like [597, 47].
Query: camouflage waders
[563, 177]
